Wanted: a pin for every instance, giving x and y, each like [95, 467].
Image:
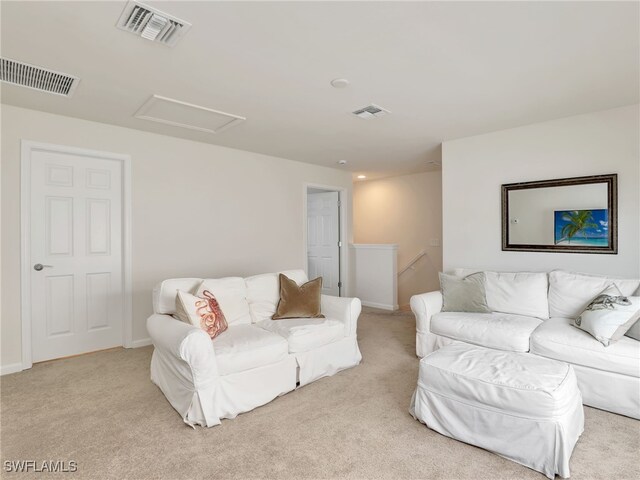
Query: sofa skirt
[327, 360]
[427, 342]
[222, 397]
[514, 438]
[609, 391]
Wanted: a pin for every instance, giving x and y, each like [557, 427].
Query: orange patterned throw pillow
[203, 312]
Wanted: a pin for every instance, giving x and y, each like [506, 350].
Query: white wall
[406, 210]
[474, 169]
[376, 281]
[198, 209]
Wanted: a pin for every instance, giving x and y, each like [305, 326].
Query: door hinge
[339, 284]
[339, 244]
[339, 203]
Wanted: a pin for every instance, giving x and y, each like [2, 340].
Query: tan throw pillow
[298, 301]
[203, 312]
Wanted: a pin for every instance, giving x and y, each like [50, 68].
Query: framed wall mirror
[569, 215]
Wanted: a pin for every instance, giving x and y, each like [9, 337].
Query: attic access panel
[186, 115]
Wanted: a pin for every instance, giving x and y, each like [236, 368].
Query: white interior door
[77, 294]
[323, 240]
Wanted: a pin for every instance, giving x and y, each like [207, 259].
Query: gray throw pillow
[634, 331]
[464, 294]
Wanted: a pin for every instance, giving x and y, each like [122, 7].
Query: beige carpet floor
[102, 411]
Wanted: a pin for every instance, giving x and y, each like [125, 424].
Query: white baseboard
[383, 306]
[143, 342]
[11, 368]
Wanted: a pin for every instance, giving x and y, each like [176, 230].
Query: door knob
[38, 266]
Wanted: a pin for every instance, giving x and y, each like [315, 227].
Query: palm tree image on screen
[586, 227]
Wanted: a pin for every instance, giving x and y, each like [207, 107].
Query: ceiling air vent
[37, 78]
[370, 111]
[152, 24]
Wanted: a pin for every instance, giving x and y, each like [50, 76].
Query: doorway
[76, 281]
[324, 233]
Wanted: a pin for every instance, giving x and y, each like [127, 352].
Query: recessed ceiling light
[342, 162]
[339, 83]
[362, 177]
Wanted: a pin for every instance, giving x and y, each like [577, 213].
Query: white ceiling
[444, 69]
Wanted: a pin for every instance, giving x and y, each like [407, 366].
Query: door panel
[98, 226]
[323, 237]
[77, 298]
[59, 302]
[59, 217]
[98, 287]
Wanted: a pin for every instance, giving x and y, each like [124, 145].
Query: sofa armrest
[423, 307]
[346, 310]
[183, 343]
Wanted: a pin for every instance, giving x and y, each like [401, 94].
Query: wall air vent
[370, 111]
[152, 24]
[37, 78]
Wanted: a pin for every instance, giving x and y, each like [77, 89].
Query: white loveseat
[256, 359]
[532, 312]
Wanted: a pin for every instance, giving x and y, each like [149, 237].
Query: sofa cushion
[243, 347]
[304, 334]
[263, 292]
[231, 293]
[557, 338]
[570, 293]
[164, 293]
[501, 331]
[519, 293]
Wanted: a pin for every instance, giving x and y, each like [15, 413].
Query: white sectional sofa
[532, 312]
[256, 359]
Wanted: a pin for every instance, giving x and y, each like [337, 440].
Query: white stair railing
[412, 262]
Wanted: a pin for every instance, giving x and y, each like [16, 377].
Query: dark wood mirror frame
[612, 203]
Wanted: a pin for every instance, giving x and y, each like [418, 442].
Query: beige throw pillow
[464, 294]
[203, 311]
[298, 301]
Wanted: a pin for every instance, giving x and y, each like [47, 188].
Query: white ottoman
[523, 407]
